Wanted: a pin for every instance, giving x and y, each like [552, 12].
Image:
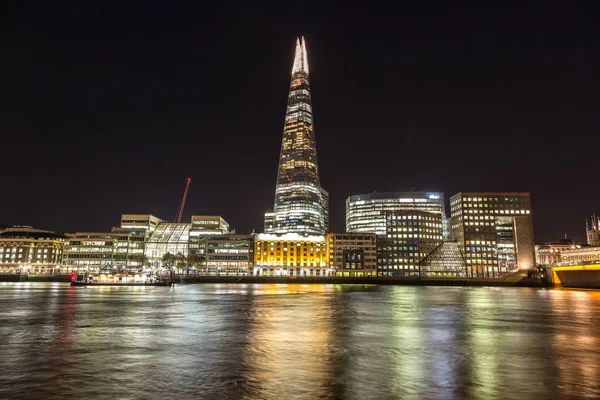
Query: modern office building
[24, 249]
[140, 224]
[95, 251]
[229, 254]
[368, 212]
[494, 231]
[298, 206]
[290, 255]
[352, 254]
[410, 236]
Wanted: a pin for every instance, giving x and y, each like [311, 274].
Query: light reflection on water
[298, 341]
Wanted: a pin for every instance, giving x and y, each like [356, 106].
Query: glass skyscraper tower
[298, 204]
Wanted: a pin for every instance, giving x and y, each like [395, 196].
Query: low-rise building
[550, 252]
[581, 254]
[24, 249]
[96, 251]
[352, 254]
[290, 254]
[230, 254]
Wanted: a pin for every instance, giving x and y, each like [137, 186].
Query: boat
[104, 283]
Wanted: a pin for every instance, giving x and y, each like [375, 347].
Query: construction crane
[183, 199]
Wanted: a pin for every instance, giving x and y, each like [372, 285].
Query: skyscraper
[298, 204]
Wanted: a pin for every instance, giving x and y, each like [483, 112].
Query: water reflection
[299, 341]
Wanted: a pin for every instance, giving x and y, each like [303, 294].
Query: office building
[96, 251]
[24, 249]
[168, 237]
[290, 255]
[298, 206]
[367, 212]
[409, 237]
[494, 231]
[352, 254]
[229, 254]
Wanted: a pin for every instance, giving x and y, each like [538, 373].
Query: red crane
[183, 199]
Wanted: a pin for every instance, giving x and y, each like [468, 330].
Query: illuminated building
[290, 255]
[445, 261]
[592, 231]
[95, 251]
[325, 204]
[550, 252]
[168, 237]
[298, 206]
[581, 255]
[140, 224]
[180, 238]
[28, 250]
[352, 254]
[409, 237]
[494, 231]
[230, 254]
[367, 212]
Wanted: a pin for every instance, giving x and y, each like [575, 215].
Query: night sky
[108, 109]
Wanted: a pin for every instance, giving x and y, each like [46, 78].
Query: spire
[300, 59]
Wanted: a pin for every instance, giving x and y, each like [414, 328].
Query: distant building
[352, 254]
[592, 231]
[168, 237]
[230, 254]
[290, 255]
[367, 212]
[181, 238]
[140, 224]
[494, 231]
[409, 237]
[550, 252]
[24, 249]
[96, 251]
[581, 255]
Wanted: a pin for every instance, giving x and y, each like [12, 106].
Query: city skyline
[120, 120]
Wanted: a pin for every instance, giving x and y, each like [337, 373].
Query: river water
[236, 341]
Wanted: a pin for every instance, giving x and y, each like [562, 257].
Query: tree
[180, 261]
[168, 260]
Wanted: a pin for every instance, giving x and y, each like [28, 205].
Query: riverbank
[525, 282]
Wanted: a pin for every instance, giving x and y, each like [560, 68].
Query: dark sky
[107, 109]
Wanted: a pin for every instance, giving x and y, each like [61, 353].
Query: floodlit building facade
[592, 231]
[24, 249]
[368, 212]
[290, 255]
[550, 252]
[581, 255]
[352, 254]
[494, 231]
[298, 206]
[410, 236]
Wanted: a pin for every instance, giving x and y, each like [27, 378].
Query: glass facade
[168, 237]
[367, 212]
[298, 206]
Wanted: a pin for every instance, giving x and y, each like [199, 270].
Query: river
[272, 341]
